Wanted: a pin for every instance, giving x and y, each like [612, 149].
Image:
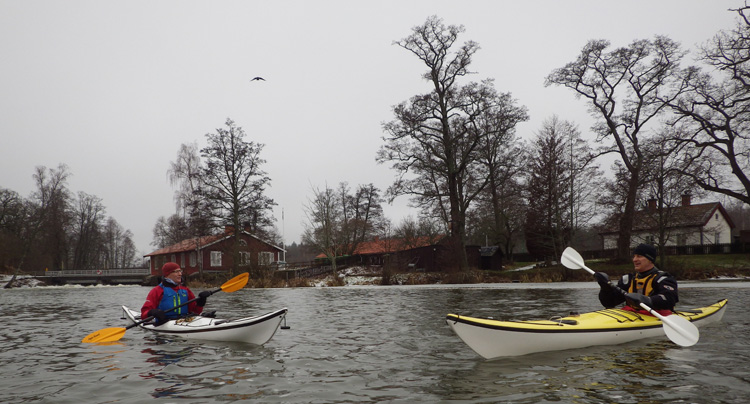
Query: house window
[681, 239]
[182, 260]
[243, 243]
[717, 238]
[215, 258]
[174, 259]
[192, 259]
[159, 262]
[244, 258]
[265, 258]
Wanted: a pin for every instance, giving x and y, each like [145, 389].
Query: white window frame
[193, 260]
[244, 258]
[216, 258]
[265, 258]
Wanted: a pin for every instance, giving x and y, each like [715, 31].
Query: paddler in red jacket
[171, 293]
[657, 289]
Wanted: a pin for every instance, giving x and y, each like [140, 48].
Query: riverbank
[684, 268]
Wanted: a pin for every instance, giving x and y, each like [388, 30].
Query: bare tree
[86, 237]
[185, 174]
[13, 215]
[324, 222]
[414, 233]
[713, 116]
[234, 183]
[171, 230]
[362, 214]
[436, 137]
[118, 247]
[47, 217]
[666, 185]
[626, 89]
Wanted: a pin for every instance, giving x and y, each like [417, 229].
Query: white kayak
[253, 330]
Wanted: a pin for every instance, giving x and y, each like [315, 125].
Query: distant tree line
[56, 229]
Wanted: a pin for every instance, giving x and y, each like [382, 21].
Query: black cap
[647, 251]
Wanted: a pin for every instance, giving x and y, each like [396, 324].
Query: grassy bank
[703, 267]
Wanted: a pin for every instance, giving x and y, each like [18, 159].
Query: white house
[688, 224]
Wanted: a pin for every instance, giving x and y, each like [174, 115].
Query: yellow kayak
[493, 339]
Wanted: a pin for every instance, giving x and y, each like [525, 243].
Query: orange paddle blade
[105, 335]
[236, 283]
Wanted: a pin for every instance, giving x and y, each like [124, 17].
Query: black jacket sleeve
[609, 297]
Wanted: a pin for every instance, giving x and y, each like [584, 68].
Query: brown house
[416, 253]
[214, 253]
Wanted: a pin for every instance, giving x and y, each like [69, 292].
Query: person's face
[176, 276]
[641, 263]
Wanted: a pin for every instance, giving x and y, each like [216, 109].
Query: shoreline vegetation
[684, 268]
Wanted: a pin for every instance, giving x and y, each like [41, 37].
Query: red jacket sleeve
[193, 306]
[152, 301]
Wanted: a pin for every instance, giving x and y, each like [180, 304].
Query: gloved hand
[202, 298]
[636, 298]
[159, 315]
[601, 278]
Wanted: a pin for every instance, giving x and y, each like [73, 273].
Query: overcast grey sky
[112, 89]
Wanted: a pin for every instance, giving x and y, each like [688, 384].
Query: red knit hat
[169, 267]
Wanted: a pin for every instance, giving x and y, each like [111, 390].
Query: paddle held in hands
[678, 329]
[115, 333]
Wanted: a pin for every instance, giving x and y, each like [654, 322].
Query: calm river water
[360, 344]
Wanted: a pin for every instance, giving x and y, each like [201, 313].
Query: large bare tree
[627, 90]
[435, 138]
[234, 183]
[713, 115]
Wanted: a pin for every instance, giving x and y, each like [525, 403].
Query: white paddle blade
[680, 330]
[573, 260]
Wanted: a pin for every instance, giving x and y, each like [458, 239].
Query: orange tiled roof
[382, 246]
[188, 245]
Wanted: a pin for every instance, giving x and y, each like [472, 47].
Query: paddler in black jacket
[657, 289]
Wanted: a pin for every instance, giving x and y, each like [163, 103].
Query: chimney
[686, 199]
[652, 205]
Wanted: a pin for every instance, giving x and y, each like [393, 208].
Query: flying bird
[257, 78]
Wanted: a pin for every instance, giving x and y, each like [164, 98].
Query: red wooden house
[214, 253]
